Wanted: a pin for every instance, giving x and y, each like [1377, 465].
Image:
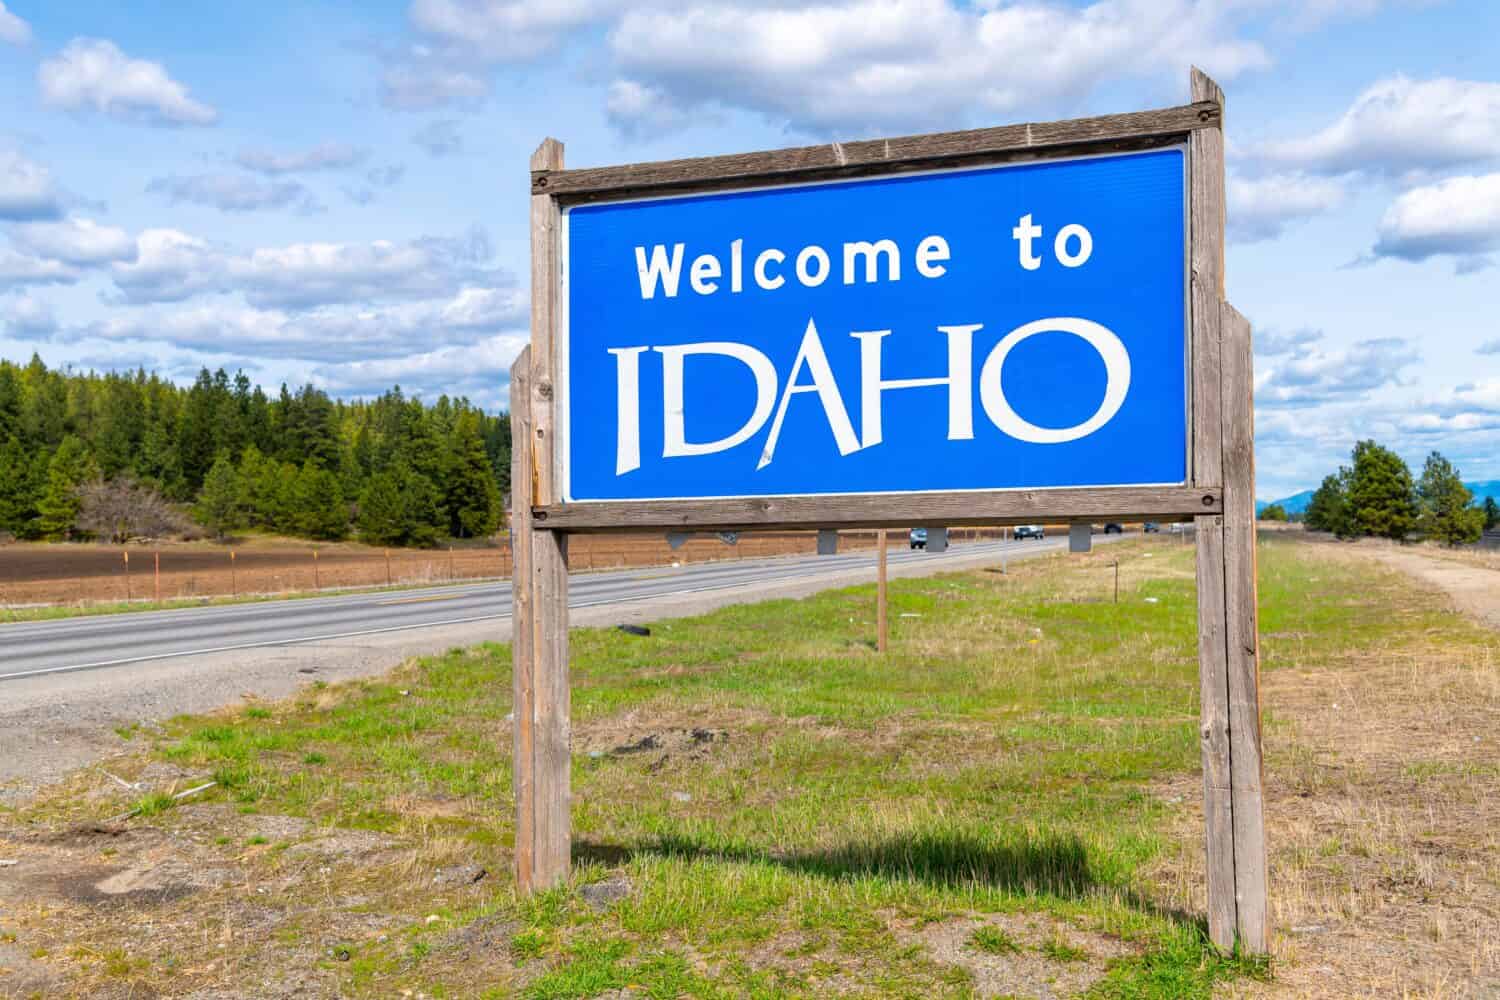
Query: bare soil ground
[38, 573]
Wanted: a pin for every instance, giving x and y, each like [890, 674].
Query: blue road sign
[1017, 326]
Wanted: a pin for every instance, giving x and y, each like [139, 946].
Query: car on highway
[1114, 529]
[1024, 531]
[1151, 528]
[918, 538]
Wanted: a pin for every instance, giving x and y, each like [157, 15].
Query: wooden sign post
[594, 474]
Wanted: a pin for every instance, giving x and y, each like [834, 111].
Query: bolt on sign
[1000, 326]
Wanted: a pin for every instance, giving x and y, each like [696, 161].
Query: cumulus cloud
[93, 74]
[863, 65]
[310, 274]
[640, 111]
[1307, 375]
[77, 241]
[172, 266]
[234, 193]
[1489, 347]
[1261, 208]
[324, 156]
[440, 138]
[1466, 408]
[323, 334]
[26, 318]
[12, 28]
[1458, 217]
[479, 371]
[27, 192]
[1399, 125]
[505, 30]
[19, 270]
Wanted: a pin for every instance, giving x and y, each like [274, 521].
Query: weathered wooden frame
[1218, 497]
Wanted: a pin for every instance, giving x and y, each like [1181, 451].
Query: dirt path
[1475, 590]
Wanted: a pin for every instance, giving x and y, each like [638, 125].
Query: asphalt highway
[37, 649]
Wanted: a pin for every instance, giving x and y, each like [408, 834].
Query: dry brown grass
[1383, 813]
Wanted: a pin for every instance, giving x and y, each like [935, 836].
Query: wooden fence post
[547, 699]
[1228, 664]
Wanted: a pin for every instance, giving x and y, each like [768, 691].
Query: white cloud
[172, 266]
[234, 193]
[324, 156]
[309, 274]
[1489, 347]
[479, 371]
[1310, 376]
[12, 28]
[1261, 208]
[642, 111]
[1399, 125]
[1457, 217]
[324, 334]
[505, 30]
[862, 65]
[27, 318]
[420, 79]
[26, 190]
[19, 270]
[93, 74]
[78, 241]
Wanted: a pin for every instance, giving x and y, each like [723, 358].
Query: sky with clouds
[337, 192]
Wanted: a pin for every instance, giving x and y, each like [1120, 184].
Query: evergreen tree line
[1376, 496]
[86, 455]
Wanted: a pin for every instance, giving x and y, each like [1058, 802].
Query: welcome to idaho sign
[1011, 326]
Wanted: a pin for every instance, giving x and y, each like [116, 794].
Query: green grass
[1003, 758]
[994, 941]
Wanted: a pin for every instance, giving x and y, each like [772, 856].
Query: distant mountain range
[1297, 502]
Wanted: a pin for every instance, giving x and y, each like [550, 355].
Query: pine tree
[382, 511]
[1445, 511]
[319, 509]
[219, 506]
[18, 490]
[472, 498]
[70, 467]
[1491, 511]
[1328, 510]
[1382, 496]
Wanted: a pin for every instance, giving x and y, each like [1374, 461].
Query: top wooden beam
[1139, 129]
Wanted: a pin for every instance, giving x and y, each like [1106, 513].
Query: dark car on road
[918, 538]
[1024, 531]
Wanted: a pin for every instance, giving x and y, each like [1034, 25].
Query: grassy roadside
[763, 807]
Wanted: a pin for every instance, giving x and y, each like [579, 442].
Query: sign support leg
[523, 615]
[1228, 651]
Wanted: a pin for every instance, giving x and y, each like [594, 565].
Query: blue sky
[336, 192]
